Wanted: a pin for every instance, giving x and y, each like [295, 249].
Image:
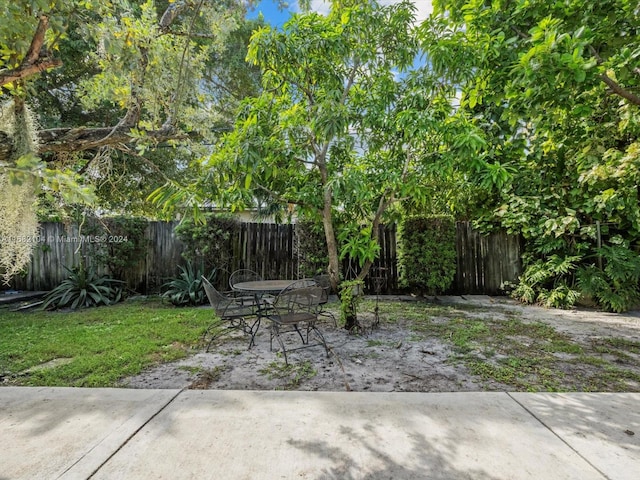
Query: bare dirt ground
[516, 348]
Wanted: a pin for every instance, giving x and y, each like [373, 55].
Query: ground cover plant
[95, 347]
[525, 354]
[425, 346]
[418, 346]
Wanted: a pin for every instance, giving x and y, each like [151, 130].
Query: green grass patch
[293, 374]
[618, 345]
[99, 345]
[523, 356]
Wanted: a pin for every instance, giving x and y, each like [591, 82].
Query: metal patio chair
[295, 309]
[232, 316]
[324, 282]
[243, 275]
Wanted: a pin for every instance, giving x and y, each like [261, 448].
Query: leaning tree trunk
[334, 270]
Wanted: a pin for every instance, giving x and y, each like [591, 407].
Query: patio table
[262, 287]
[264, 292]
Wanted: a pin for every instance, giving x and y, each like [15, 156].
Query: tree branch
[612, 84]
[24, 71]
[62, 140]
[618, 90]
[278, 198]
[519, 32]
[33, 63]
[343, 99]
[33, 54]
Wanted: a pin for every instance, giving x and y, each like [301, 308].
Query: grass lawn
[500, 349]
[98, 346]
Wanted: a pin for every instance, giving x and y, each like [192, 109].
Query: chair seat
[231, 314]
[295, 309]
[293, 318]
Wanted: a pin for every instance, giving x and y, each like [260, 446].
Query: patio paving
[51, 433]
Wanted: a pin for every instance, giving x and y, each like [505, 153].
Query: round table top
[260, 286]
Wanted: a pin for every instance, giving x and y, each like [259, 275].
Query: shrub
[549, 282]
[187, 289]
[311, 248]
[84, 288]
[122, 243]
[208, 244]
[616, 286]
[428, 253]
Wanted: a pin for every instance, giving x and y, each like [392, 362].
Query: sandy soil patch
[444, 356]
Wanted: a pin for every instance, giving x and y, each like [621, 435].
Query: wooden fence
[484, 262]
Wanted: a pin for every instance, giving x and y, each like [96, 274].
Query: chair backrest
[325, 282]
[292, 300]
[243, 275]
[218, 301]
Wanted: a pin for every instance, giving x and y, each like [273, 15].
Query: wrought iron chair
[232, 315]
[295, 309]
[324, 282]
[243, 275]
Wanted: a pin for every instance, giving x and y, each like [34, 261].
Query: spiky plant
[187, 288]
[84, 288]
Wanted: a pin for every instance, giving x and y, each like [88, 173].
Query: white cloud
[423, 7]
[320, 6]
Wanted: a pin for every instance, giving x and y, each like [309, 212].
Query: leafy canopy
[555, 90]
[348, 123]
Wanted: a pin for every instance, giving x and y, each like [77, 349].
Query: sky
[275, 17]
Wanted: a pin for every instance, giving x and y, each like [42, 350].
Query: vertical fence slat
[484, 262]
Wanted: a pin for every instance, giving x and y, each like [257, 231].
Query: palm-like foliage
[616, 287]
[84, 288]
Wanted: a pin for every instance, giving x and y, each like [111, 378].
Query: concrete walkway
[51, 433]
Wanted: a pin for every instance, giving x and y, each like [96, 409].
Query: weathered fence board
[266, 249]
[63, 246]
[162, 258]
[484, 262]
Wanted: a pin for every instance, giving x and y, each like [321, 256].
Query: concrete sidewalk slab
[603, 428]
[50, 433]
[318, 435]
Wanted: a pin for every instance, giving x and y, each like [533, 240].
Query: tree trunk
[330, 237]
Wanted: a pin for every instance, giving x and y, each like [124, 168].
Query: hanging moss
[18, 221]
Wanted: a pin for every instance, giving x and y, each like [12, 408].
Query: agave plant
[84, 288]
[187, 288]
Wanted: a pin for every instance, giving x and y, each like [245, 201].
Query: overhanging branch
[63, 140]
[34, 61]
[79, 139]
